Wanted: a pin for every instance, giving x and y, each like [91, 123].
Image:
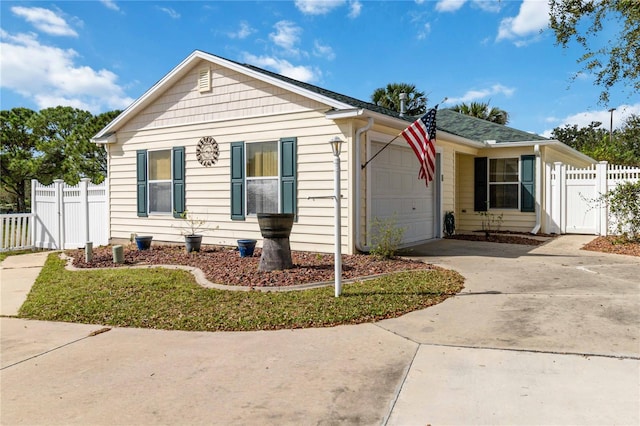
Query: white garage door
[396, 192]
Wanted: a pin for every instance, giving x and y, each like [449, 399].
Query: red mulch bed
[225, 266]
[613, 245]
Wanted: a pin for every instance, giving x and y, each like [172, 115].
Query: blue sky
[101, 55]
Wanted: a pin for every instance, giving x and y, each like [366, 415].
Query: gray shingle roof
[480, 130]
[447, 120]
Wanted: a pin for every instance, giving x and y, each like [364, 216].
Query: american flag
[421, 135]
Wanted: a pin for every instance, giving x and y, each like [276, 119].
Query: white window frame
[247, 178]
[149, 181]
[489, 183]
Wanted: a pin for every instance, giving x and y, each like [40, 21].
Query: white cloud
[583, 119]
[449, 5]
[244, 31]
[287, 35]
[531, 19]
[45, 20]
[323, 51]
[49, 76]
[454, 5]
[283, 67]
[318, 7]
[110, 4]
[355, 8]
[171, 12]
[425, 31]
[488, 5]
[474, 95]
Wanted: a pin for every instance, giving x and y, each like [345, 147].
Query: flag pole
[383, 148]
[389, 143]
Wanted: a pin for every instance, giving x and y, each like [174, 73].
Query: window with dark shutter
[237, 181]
[141, 179]
[178, 181]
[480, 184]
[528, 183]
[263, 178]
[288, 190]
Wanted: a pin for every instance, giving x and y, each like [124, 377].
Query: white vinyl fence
[15, 231]
[571, 196]
[66, 217]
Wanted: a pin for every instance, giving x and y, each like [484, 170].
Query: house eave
[554, 143]
[105, 139]
[397, 123]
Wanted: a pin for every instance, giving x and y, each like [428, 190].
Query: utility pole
[611, 127]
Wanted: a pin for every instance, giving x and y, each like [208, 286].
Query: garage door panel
[398, 194]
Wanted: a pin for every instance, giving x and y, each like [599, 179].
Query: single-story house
[226, 140]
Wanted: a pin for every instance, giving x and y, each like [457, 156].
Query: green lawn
[171, 299]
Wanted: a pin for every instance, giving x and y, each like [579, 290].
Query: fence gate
[572, 196]
[66, 217]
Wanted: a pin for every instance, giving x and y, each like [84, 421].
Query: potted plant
[246, 247]
[143, 242]
[192, 228]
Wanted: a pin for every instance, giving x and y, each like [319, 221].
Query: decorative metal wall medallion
[207, 151]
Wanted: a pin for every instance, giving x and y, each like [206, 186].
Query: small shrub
[386, 237]
[192, 225]
[490, 222]
[624, 210]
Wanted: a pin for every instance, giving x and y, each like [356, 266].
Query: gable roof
[481, 130]
[448, 121]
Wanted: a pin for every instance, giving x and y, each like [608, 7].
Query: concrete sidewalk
[545, 335]
[17, 274]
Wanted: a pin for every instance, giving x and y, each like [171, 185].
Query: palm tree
[483, 111]
[389, 97]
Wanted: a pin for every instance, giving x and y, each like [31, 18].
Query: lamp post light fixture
[336, 145]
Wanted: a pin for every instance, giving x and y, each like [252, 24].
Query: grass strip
[171, 299]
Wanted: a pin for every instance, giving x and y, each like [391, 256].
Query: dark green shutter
[237, 181]
[178, 181]
[480, 184]
[528, 183]
[141, 178]
[288, 191]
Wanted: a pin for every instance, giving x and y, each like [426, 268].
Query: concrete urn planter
[276, 251]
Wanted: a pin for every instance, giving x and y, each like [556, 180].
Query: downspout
[359, 132]
[536, 150]
[107, 178]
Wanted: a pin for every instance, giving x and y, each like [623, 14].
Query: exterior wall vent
[204, 80]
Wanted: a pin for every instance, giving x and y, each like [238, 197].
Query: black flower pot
[192, 242]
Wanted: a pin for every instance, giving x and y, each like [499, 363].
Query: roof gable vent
[204, 80]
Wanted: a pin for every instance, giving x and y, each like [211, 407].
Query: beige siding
[551, 155]
[232, 96]
[466, 219]
[208, 188]
[449, 177]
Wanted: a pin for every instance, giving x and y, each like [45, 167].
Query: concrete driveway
[546, 335]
